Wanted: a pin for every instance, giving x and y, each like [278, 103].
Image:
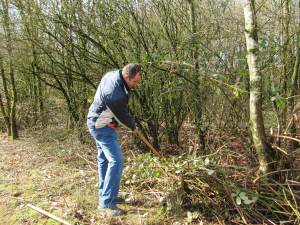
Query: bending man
[110, 107]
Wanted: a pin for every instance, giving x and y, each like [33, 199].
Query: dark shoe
[111, 211]
[119, 200]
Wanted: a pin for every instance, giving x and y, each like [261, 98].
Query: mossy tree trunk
[285, 58]
[197, 80]
[256, 116]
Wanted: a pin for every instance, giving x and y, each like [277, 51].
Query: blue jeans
[110, 164]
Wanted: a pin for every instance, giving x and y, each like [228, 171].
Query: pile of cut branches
[206, 189]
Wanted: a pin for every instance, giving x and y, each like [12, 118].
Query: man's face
[133, 82]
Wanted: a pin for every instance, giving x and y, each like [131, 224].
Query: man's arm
[119, 109]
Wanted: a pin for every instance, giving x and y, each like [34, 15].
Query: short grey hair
[132, 69]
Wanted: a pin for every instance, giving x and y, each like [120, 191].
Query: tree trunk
[295, 79]
[5, 100]
[8, 34]
[198, 91]
[256, 116]
[194, 31]
[6, 118]
[285, 20]
[287, 163]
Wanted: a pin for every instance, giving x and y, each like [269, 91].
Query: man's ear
[126, 76]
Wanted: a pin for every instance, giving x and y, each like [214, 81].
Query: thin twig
[89, 162]
[86, 160]
[286, 137]
[280, 149]
[274, 172]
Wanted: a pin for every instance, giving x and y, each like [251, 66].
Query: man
[110, 107]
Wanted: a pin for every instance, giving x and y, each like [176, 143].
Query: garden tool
[139, 134]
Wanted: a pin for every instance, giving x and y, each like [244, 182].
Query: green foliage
[280, 101]
[145, 167]
[243, 197]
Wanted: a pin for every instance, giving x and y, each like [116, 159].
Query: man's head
[132, 74]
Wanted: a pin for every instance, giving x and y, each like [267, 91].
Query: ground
[50, 169]
[56, 175]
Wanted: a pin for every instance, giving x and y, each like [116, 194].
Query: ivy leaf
[243, 196]
[210, 172]
[157, 174]
[255, 198]
[248, 202]
[236, 92]
[280, 102]
[206, 161]
[238, 200]
[90, 99]
[234, 194]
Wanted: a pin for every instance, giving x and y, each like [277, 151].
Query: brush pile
[207, 188]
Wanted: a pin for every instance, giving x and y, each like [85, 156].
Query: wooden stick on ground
[48, 214]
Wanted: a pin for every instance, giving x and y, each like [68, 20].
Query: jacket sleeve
[119, 108]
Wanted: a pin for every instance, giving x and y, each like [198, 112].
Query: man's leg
[110, 146]
[102, 168]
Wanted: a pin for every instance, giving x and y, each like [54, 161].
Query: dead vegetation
[58, 174]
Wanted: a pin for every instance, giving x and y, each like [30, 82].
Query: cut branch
[48, 214]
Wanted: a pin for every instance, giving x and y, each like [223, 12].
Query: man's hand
[112, 125]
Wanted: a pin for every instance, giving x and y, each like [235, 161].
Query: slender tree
[256, 116]
[5, 98]
[295, 78]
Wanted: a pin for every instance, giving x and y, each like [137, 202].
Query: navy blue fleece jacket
[111, 99]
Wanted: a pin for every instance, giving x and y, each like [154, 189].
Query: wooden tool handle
[142, 137]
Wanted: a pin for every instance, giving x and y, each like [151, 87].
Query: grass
[53, 177]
